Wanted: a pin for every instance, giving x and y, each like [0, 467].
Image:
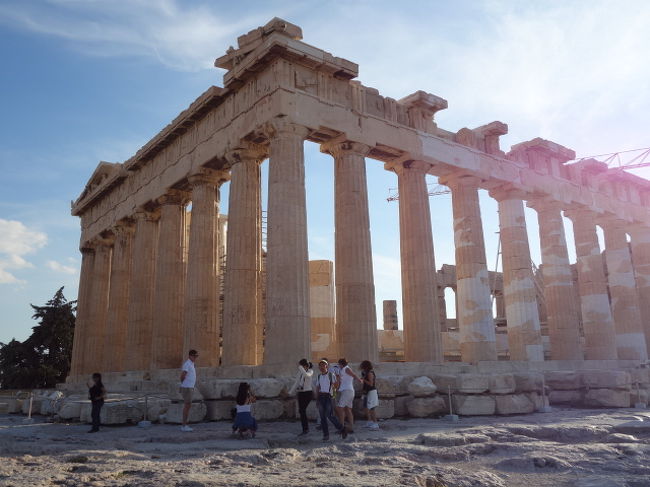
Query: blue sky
[84, 81]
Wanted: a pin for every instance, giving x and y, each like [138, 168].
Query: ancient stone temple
[157, 259]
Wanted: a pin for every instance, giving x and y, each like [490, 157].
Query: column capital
[146, 215]
[87, 247]
[409, 165]
[173, 197]
[283, 128]
[125, 226]
[542, 204]
[337, 147]
[247, 151]
[456, 180]
[104, 240]
[581, 215]
[612, 222]
[203, 176]
[506, 192]
[638, 229]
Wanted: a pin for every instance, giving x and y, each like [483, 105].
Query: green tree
[43, 359]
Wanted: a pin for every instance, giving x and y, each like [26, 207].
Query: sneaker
[326, 438]
[186, 428]
[373, 426]
[344, 433]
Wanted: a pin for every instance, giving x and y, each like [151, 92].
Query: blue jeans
[326, 412]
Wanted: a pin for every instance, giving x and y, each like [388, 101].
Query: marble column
[96, 331]
[82, 322]
[202, 326]
[640, 240]
[522, 316]
[356, 314]
[140, 317]
[241, 331]
[474, 313]
[118, 301]
[562, 315]
[421, 321]
[597, 321]
[630, 336]
[167, 335]
[288, 330]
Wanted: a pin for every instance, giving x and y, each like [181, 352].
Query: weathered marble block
[265, 410]
[472, 383]
[422, 387]
[473, 405]
[514, 404]
[502, 384]
[563, 380]
[174, 413]
[570, 398]
[606, 379]
[421, 407]
[607, 398]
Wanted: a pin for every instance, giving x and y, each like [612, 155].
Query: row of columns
[141, 306]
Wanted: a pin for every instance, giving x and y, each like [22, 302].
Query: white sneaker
[186, 428]
[367, 425]
[373, 426]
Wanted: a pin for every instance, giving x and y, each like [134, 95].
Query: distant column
[167, 341]
[202, 327]
[562, 315]
[630, 336]
[597, 321]
[640, 240]
[522, 316]
[241, 333]
[421, 322]
[118, 301]
[288, 330]
[82, 322]
[140, 321]
[96, 332]
[390, 314]
[356, 315]
[474, 313]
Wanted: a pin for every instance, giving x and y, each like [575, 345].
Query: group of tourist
[332, 387]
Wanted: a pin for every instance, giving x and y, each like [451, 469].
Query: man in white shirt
[188, 381]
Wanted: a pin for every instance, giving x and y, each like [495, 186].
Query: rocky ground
[580, 448]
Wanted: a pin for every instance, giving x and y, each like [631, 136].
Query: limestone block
[473, 405]
[156, 407]
[70, 409]
[422, 387]
[4, 408]
[400, 405]
[421, 407]
[392, 385]
[175, 394]
[174, 413]
[385, 409]
[642, 376]
[528, 381]
[537, 399]
[502, 383]
[607, 398]
[445, 381]
[268, 409]
[36, 405]
[121, 412]
[267, 387]
[472, 383]
[219, 410]
[514, 404]
[14, 405]
[312, 411]
[214, 389]
[563, 380]
[290, 408]
[571, 398]
[638, 395]
[51, 403]
[606, 379]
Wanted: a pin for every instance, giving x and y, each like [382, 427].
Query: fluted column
[474, 313]
[630, 337]
[597, 321]
[356, 315]
[140, 318]
[118, 300]
[640, 240]
[288, 334]
[167, 332]
[96, 331]
[562, 315]
[241, 331]
[421, 322]
[202, 326]
[522, 315]
[82, 322]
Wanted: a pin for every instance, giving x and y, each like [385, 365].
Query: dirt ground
[578, 448]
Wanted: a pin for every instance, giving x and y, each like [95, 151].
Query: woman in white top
[303, 384]
[244, 420]
[345, 394]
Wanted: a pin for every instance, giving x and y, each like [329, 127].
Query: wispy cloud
[17, 241]
[62, 268]
[180, 36]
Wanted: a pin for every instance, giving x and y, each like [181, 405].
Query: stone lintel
[147, 213]
[492, 129]
[205, 175]
[580, 214]
[460, 179]
[546, 147]
[426, 102]
[173, 197]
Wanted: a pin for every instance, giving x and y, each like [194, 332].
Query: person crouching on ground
[303, 384]
[188, 381]
[326, 384]
[370, 395]
[346, 394]
[244, 420]
[96, 394]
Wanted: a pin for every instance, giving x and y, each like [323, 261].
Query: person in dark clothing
[96, 394]
[303, 384]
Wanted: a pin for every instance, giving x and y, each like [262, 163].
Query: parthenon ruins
[155, 281]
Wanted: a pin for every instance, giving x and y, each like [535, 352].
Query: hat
[323, 361]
